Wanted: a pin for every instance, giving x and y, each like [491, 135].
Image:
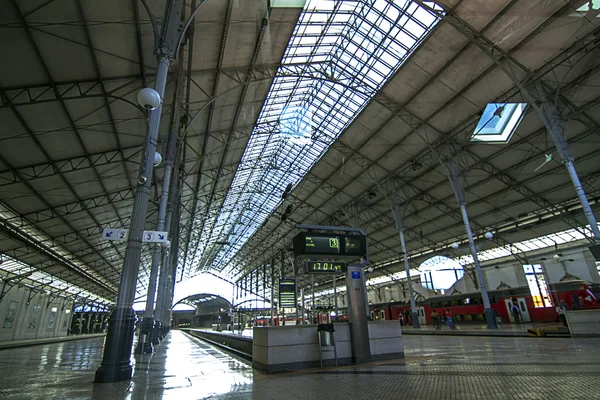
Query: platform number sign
[147, 236]
[334, 243]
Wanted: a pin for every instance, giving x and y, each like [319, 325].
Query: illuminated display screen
[353, 245]
[287, 292]
[325, 267]
[329, 245]
[322, 245]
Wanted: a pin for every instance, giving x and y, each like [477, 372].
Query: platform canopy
[309, 112]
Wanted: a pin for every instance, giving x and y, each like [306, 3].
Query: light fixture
[287, 190]
[455, 245]
[489, 235]
[415, 165]
[157, 159]
[370, 269]
[286, 213]
[148, 98]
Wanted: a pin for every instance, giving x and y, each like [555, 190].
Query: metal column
[335, 299]
[359, 330]
[459, 192]
[312, 306]
[556, 127]
[148, 328]
[400, 227]
[116, 365]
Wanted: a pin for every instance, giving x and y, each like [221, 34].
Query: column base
[415, 320]
[490, 318]
[146, 336]
[156, 337]
[116, 364]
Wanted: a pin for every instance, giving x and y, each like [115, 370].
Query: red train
[468, 308]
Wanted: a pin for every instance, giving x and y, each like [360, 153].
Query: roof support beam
[47, 169]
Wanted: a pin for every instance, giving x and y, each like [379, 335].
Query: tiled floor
[436, 367]
[460, 329]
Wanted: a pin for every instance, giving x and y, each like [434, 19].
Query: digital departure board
[325, 267]
[287, 292]
[322, 244]
[309, 244]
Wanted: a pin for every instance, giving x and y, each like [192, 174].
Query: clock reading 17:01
[327, 267]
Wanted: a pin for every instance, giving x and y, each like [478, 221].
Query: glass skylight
[42, 279]
[587, 11]
[498, 122]
[340, 54]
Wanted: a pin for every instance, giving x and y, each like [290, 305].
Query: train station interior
[303, 199]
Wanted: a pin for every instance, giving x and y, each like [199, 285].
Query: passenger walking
[516, 312]
[449, 319]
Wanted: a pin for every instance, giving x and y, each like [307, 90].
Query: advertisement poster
[52, 318]
[11, 312]
[35, 316]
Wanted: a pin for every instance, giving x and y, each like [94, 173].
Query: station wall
[28, 315]
[498, 274]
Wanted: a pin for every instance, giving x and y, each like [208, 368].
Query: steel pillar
[453, 176]
[148, 324]
[359, 330]
[400, 227]
[335, 299]
[556, 127]
[116, 364]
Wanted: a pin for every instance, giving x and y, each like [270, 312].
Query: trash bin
[326, 334]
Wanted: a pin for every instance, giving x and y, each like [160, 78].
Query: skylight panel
[498, 122]
[585, 11]
[309, 113]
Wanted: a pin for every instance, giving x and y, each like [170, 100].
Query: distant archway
[440, 273]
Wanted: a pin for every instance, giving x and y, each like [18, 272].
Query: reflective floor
[436, 367]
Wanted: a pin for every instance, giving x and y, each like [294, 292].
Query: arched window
[440, 273]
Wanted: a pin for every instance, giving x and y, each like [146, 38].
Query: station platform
[435, 367]
[35, 342]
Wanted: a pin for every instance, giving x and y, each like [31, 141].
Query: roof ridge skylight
[345, 52]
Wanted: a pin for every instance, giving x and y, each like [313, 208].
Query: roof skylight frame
[330, 83]
[16, 267]
[499, 122]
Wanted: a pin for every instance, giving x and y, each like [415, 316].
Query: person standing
[449, 319]
[561, 309]
[516, 312]
[435, 319]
